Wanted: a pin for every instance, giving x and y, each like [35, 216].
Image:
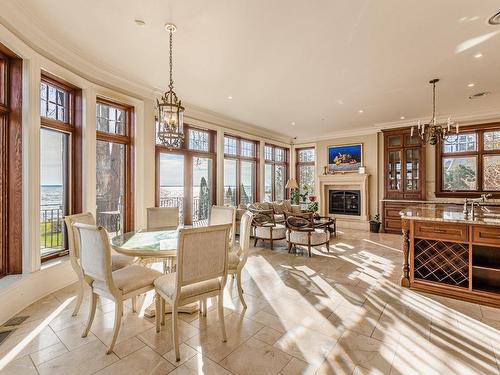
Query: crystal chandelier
[434, 132]
[170, 118]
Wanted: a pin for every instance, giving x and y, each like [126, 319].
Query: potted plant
[304, 195]
[375, 224]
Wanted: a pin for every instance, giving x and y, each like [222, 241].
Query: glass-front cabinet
[404, 165]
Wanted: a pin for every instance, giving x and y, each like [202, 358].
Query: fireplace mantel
[346, 181]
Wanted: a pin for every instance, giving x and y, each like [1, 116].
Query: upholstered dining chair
[238, 256]
[224, 215]
[201, 273]
[301, 231]
[266, 228]
[119, 285]
[162, 218]
[117, 260]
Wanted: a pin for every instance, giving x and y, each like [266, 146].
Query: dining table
[152, 246]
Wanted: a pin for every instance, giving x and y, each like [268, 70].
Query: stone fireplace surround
[346, 181]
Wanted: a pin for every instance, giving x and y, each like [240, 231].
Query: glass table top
[147, 243]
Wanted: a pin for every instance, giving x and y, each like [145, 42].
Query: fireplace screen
[344, 202]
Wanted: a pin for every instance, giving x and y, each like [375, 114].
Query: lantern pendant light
[170, 118]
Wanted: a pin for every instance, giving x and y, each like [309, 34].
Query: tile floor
[341, 312]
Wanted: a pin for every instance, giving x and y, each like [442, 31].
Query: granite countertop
[487, 215]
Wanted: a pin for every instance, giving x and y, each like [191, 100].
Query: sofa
[279, 208]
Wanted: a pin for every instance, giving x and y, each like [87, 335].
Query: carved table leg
[405, 281]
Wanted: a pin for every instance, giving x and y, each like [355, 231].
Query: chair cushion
[131, 278]
[318, 237]
[282, 207]
[279, 231]
[166, 285]
[279, 218]
[119, 261]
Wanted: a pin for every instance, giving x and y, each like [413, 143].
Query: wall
[370, 160]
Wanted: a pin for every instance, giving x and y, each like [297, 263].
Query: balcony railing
[51, 227]
[200, 211]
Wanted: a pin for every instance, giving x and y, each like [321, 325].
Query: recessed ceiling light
[360, 111]
[495, 19]
[292, 123]
[470, 85]
[230, 97]
[479, 95]
[478, 55]
[139, 22]
[402, 117]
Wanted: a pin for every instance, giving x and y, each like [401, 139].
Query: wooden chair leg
[220, 301]
[255, 242]
[117, 325]
[240, 290]
[79, 298]
[175, 332]
[93, 306]
[162, 310]
[309, 249]
[134, 304]
[328, 246]
[204, 302]
[289, 247]
[157, 312]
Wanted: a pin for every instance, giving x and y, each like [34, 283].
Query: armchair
[302, 231]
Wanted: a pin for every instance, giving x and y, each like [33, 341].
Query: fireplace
[344, 202]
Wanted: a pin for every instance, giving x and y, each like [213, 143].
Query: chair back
[162, 218]
[95, 252]
[202, 254]
[223, 215]
[300, 222]
[245, 230]
[73, 236]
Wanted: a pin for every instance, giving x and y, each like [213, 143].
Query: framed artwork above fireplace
[345, 158]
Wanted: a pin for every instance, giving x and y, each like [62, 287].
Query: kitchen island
[453, 254]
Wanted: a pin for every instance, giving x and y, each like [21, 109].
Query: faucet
[474, 202]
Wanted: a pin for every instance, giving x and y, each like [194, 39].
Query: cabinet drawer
[439, 231]
[487, 235]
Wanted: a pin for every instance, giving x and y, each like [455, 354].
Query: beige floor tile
[297, 367]
[199, 365]
[145, 361]
[48, 353]
[126, 347]
[269, 335]
[354, 349]
[131, 325]
[309, 346]
[21, 366]
[86, 359]
[256, 357]
[18, 345]
[185, 352]
[72, 336]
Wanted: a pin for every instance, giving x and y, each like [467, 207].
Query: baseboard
[29, 288]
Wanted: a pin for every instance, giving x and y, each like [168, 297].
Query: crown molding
[336, 134]
[463, 120]
[215, 119]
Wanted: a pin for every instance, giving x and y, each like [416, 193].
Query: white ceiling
[315, 63]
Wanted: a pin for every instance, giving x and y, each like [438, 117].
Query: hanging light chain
[171, 84]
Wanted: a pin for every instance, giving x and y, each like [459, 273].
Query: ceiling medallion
[170, 118]
[433, 131]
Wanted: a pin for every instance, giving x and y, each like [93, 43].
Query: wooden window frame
[299, 163]
[239, 158]
[274, 163]
[73, 128]
[11, 161]
[479, 129]
[188, 170]
[128, 140]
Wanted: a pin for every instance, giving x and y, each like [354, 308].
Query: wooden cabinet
[404, 174]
